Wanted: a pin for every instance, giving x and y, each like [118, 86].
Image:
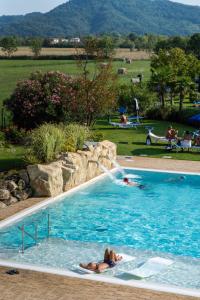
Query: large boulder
[46, 180]
[23, 174]
[4, 194]
[71, 170]
[2, 205]
[11, 186]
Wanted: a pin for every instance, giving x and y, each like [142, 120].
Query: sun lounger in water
[151, 267]
[125, 258]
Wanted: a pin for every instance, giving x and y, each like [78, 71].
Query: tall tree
[36, 46]
[194, 44]
[9, 45]
[177, 70]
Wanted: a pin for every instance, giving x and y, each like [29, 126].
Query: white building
[75, 40]
[55, 41]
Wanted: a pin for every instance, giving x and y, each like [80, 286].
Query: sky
[17, 7]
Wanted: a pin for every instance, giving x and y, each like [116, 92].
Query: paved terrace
[29, 285]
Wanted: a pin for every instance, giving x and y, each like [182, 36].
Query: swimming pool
[161, 219]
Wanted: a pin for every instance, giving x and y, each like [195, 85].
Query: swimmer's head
[125, 180]
[182, 177]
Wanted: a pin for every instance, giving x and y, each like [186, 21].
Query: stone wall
[70, 170]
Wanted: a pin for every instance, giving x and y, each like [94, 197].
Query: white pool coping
[162, 171]
[94, 277]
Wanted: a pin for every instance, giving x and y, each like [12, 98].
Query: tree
[176, 71]
[160, 80]
[97, 86]
[36, 46]
[171, 42]
[127, 93]
[184, 84]
[9, 45]
[194, 44]
[94, 96]
[107, 45]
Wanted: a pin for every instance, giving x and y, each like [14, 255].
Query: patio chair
[155, 137]
[125, 125]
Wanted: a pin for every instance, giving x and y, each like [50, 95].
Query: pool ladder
[33, 236]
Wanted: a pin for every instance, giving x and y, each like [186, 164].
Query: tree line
[147, 42]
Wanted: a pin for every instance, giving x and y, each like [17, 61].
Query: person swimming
[133, 183]
[128, 182]
[177, 179]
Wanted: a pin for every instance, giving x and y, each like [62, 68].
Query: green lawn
[11, 158]
[129, 142]
[132, 141]
[15, 70]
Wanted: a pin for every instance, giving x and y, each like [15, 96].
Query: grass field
[133, 141]
[15, 70]
[120, 53]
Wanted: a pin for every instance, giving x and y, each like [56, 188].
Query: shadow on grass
[138, 143]
[149, 151]
[123, 143]
[7, 164]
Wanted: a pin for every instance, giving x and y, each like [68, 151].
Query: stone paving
[29, 285]
[160, 164]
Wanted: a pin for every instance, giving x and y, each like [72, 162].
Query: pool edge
[105, 279]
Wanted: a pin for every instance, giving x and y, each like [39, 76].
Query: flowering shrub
[56, 97]
[42, 98]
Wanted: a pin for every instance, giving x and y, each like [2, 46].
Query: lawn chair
[124, 125]
[151, 136]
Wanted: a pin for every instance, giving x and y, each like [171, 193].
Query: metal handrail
[35, 236]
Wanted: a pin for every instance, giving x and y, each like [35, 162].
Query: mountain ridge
[82, 17]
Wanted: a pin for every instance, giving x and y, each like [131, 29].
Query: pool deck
[160, 164]
[30, 285]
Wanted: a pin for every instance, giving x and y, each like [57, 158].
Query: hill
[81, 17]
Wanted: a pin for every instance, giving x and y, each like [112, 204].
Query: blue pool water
[162, 217]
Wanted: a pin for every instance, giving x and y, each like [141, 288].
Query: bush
[97, 136]
[16, 136]
[42, 98]
[46, 143]
[171, 114]
[49, 140]
[159, 113]
[55, 97]
[75, 136]
[2, 139]
[127, 93]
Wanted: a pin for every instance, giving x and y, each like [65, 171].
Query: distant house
[75, 40]
[55, 41]
[64, 41]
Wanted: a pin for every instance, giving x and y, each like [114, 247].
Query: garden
[47, 112]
